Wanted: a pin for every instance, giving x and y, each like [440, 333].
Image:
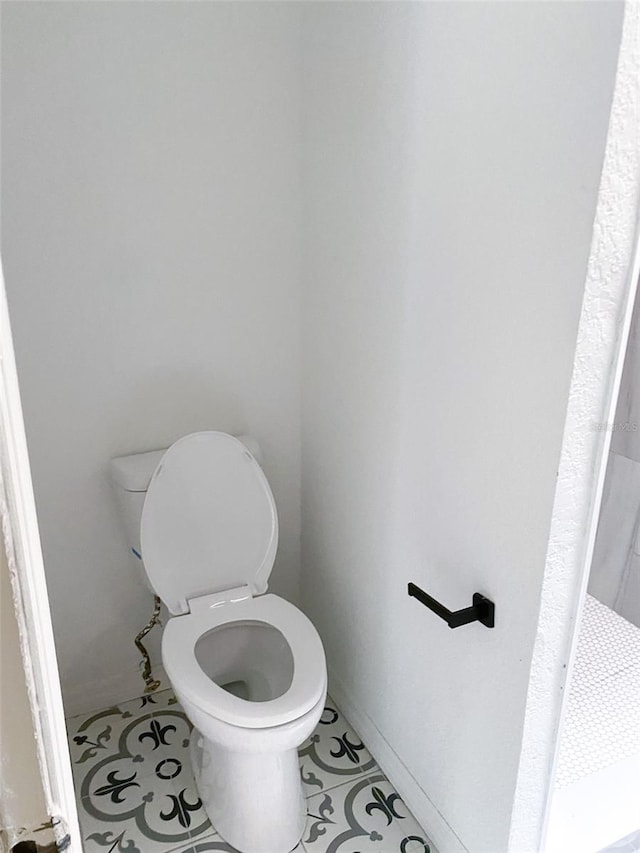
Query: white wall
[150, 242]
[452, 160]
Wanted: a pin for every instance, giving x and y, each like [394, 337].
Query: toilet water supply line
[147, 675]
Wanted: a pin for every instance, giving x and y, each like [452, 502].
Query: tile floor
[136, 793]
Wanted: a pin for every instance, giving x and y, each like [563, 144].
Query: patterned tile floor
[136, 792]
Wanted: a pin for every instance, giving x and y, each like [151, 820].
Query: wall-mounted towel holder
[482, 610]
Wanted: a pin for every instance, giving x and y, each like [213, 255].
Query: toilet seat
[185, 673]
[208, 535]
[209, 521]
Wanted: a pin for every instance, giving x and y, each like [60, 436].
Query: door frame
[610, 290]
[21, 540]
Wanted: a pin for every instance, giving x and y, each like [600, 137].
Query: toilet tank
[131, 476]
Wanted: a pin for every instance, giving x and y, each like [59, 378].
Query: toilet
[247, 666]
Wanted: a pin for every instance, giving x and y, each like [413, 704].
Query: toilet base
[254, 800]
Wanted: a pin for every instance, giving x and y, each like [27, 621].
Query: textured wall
[602, 336]
[625, 440]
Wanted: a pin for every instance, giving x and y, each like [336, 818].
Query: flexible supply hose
[147, 675]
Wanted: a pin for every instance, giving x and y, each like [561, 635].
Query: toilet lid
[209, 521]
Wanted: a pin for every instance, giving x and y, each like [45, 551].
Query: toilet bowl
[247, 667]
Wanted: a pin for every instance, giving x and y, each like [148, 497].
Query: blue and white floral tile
[208, 845]
[366, 815]
[333, 754]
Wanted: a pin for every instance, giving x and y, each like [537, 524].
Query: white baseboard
[106, 692]
[424, 811]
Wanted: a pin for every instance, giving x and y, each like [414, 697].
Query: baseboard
[106, 692]
[424, 811]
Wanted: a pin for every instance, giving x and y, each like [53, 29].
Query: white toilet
[247, 667]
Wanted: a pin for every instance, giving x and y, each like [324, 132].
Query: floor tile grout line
[85, 715]
[210, 834]
[178, 847]
[378, 772]
[332, 786]
[352, 781]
